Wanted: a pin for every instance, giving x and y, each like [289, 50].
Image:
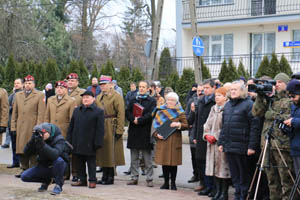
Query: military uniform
[112, 152]
[28, 111]
[60, 112]
[280, 183]
[4, 110]
[76, 94]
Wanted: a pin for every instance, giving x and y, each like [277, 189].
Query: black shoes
[75, 179]
[204, 192]
[5, 146]
[165, 186]
[127, 172]
[193, 179]
[13, 166]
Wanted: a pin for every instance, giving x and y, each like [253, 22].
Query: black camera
[38, 133]
[285, 129]
[262, 86]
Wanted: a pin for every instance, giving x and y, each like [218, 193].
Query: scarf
[163, 114]
[142, 96]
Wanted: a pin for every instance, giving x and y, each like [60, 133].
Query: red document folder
[137, 110]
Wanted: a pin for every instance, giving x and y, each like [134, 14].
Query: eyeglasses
[292, 95]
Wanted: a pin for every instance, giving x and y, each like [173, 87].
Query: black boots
[166, 175]
[225, 186]
[218, 185]
[107, 176]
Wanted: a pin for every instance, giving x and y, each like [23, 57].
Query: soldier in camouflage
[280, 182]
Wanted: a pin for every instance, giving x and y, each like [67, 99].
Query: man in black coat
[239, 137]
[53, 155]
[139, 133]
[198, 117]
[85, 133]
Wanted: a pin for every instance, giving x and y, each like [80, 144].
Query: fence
[251, 62]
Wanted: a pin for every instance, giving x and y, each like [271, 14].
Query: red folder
[137, 110]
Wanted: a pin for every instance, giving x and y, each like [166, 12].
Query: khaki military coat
[27, 112]
[76, 94]
[216, 162]
[60, 113]
[4, 109]
[112, 152]
[169, 151]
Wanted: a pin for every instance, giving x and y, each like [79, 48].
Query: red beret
[29, 78]
[72, 76]
[61, 83]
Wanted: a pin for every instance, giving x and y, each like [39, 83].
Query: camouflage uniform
[280, 183]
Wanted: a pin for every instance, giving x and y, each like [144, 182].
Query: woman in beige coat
[216, 162]
[169, 152]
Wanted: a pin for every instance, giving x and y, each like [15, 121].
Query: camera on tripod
[263, 87]
[285, 129]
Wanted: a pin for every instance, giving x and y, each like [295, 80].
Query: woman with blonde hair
[169, 150]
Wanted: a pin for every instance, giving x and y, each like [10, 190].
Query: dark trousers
[81, 167]
[208, 181]
[194, 163]
[41, 174]
[240, 174]
[13, 147]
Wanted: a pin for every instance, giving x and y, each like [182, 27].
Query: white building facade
[245, 30]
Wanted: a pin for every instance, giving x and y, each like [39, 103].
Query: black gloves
[39, 142]
[118, 136]
[2, 129]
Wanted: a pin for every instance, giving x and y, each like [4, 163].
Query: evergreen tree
[285, 66]
[242, 72]
[223, 73]
[64, 72]
[232, 74]
[95, 72]
[40, 76]
[10, 73]
[31, 67]
[74, 68]
[2, 76]
[205, 70]
[185, 84]
[137, 75]
[124, 79]
[172, 81]
[165, 65]
[263, 69]
[84, 75]
[22, 69]
[51, 71]
[274, 66]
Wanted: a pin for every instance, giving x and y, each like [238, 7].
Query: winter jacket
[54, 147]
[86, 130]
[98, 90]
[240, 130]
[130, 95]
[295, 136]
[139, 135]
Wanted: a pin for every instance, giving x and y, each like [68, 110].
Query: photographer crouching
[52, 157]
[273, 106]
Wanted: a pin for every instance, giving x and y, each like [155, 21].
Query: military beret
[105, 79]
[61, 83]
[29, 78]
[72, 76]
[293, 86]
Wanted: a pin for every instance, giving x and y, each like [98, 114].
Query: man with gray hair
[239, 137]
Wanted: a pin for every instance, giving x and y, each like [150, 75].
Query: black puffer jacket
[240, 130]
[54, 147]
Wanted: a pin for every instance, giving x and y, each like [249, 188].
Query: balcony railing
[213, 10]
[251, 62]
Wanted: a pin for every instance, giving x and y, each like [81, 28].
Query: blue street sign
[198, 46]
[283, 28]
[292, 44]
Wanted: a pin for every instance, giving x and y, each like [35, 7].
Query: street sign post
[292, 44]
[283, 28]
[198, 46]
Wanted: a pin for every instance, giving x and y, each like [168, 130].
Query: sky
[168, 26]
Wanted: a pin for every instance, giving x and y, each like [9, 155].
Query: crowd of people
[232, 130]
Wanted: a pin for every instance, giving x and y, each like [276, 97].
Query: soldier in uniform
[4, 112]
[112, 152]
[75, 92]
[60, 108]
[280, 182]
[28, 111]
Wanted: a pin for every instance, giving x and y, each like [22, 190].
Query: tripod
[295, 186]
[260, 164]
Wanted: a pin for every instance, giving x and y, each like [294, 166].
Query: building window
[214, 2]
[296, 51]
[215, 46]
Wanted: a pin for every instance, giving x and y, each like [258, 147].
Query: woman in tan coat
[216, 162]
[169, 151]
